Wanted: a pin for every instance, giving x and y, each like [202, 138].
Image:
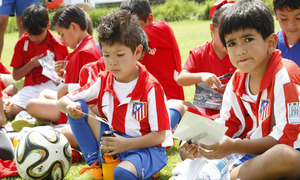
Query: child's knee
[121, 173]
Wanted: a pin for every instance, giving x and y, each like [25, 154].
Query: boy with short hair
[70, 23]
[261, 101]
[36, 42]
[287, 13]
[163, 59]
[131, 100]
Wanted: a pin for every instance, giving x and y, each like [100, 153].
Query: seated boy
[261, 101]
[130, 98]
[70, 23]
[287, 13]
[163, 59]
[36, 42]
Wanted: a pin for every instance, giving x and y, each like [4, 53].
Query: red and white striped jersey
[276, 112]
[143, 111]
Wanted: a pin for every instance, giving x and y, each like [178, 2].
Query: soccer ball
[43, 153]
[53, 4]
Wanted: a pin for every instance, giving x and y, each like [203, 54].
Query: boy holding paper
[261, 101]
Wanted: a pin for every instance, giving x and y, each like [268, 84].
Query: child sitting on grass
[261, 105]
[130, 98]
[287, 13]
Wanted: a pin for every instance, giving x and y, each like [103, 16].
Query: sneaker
[23, 119]
[156, 175]
[93, 172]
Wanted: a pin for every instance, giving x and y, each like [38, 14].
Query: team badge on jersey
[294, 112]
[264, 110]
[139, 110]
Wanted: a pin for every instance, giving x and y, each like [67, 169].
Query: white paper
[47, 62]
[193, 125]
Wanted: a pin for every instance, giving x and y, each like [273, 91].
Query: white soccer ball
[43, 153]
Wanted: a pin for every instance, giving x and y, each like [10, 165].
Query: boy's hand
[191, 149]
[75, 111]
[35, 60]
[114, 145]
[219, 150]
[210, 79]
[60, 67]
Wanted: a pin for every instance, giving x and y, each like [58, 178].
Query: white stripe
[151, 98]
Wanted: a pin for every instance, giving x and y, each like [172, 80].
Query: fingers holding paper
[192, 149]
[218, 150]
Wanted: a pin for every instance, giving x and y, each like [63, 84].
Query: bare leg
[3, 25]
[281, 161]
[11, 89]
[67, 132]
[11, 110]
[48, 94]
[43, 109]
[19, 24]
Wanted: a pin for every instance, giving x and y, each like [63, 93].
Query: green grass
[189, 34]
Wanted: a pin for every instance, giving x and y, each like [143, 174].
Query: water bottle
[217, 169]
[109, 162]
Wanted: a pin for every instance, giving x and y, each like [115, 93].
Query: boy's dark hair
[286, 4]
[247, 14]
[67, 14]
[217, 14]
[144, 41]
[120, 27]
[35, 19]
[139, 7]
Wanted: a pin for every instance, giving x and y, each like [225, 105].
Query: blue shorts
[147, 161]
[9, 7]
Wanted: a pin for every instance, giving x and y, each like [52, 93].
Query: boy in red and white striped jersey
[261, 106]
[129, 97]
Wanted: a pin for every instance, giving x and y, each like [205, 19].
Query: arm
[2, 117]
[230, 146]
[66, 105]
[120, 144]
[19, 73]
[187, 78]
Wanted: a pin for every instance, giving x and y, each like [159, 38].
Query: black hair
[120, 27]
[247, 14]
[144, 40]
[286, 4]
[139, 7]
[35, 19]
[217, 14]
[67, 14]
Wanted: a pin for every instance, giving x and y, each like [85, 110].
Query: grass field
[189, 34]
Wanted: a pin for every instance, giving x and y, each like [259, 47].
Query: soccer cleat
[156, 175]
[93, 172]
[23, 119]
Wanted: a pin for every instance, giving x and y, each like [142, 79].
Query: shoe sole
[18, 125]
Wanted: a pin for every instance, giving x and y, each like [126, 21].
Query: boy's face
[289, 21]
[67, 35]
[248, 51]
[121, 62]
[38, 39]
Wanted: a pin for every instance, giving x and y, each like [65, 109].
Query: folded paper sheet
[196, 128]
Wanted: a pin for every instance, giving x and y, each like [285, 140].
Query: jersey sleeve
[18, 58]
[287, 114]
[159, 119]
[228, 116]
[88, 93]
[190, 64]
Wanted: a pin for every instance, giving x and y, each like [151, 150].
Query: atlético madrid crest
[139, 110]
[264, 110]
